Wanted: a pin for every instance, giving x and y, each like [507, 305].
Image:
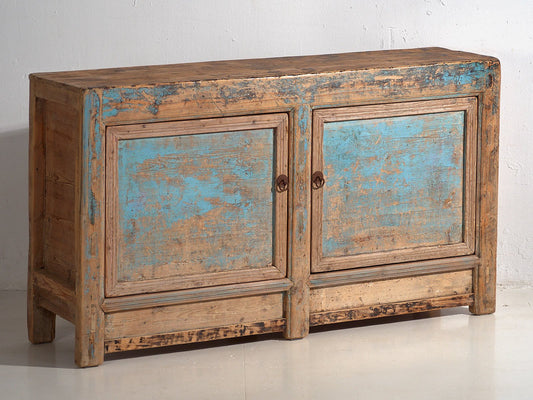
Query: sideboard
[183, 203]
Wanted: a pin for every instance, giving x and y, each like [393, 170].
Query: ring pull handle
[282, 183]
[318, 180]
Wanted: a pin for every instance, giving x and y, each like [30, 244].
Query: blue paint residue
[214, 188]
[381, 174]
[117, 100]
[92, 156]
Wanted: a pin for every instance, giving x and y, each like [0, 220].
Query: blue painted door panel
[195, 204]
[392, 183]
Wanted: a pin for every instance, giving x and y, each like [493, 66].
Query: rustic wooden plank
[59, 257]
[55, 296]
[390, 309]
[485, 275]
[134, 302]
[195, 336]
[393, 271]
[41, 322]
[214, 179]
[226, 97]
[61, 140]
[390, 291]
[57, 92]
[258, 68]
[210, 314]
[90, 235]
[395, 183]
[297, 300]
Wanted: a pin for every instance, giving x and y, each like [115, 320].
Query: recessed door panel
[399, 183]
[194, 203]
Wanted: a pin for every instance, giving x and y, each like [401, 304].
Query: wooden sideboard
[183, 203]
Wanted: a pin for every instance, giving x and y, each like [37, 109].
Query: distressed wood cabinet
[182, 203]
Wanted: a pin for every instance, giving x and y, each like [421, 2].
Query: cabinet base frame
[390, 309]
[194, 336]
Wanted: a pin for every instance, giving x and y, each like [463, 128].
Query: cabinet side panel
[61, 125]
[485, 276]
[41, 322]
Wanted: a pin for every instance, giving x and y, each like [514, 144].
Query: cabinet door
[399, 183]
[194, 203]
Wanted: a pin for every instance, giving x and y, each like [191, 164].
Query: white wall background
[55, 35]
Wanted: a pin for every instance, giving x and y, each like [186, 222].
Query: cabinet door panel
[400, 180]
[193, 203]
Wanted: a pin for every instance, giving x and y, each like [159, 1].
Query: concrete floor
[439, 355]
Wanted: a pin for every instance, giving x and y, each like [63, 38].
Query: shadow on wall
[13, 209]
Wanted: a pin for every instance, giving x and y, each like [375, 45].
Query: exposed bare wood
[194, 336]
[390, 291]
[56, 305]
[54, 287]
[390, 309]
[114, 304]
[56, 92]
[41, 322]
[256, 68]
[211, 314]
[485, 275]
[393, 271]
[297, 299]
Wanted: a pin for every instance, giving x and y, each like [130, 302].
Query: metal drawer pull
[282, 183]
[318, 180]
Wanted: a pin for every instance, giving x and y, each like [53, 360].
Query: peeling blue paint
[294, 89]
[389, 173]
[117, 100]
[215, 188]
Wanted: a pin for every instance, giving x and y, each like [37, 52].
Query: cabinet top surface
[259, 68]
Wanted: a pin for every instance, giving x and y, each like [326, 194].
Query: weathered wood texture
[259, 68]
[91, 230]
[148, 300]
[390, 309]
[61, 143]
[51, 261]
[194, 203]
[140, 100]
[400, 183]
[297, 299]
[54, 295]
[393, 271]
[390, 291]
[200, 315]
[195, 336]
[41, 322]
[489, 115]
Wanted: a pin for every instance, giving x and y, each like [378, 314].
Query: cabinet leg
[88, 353]
[484, 284]
[41, 322]
[297, 312]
